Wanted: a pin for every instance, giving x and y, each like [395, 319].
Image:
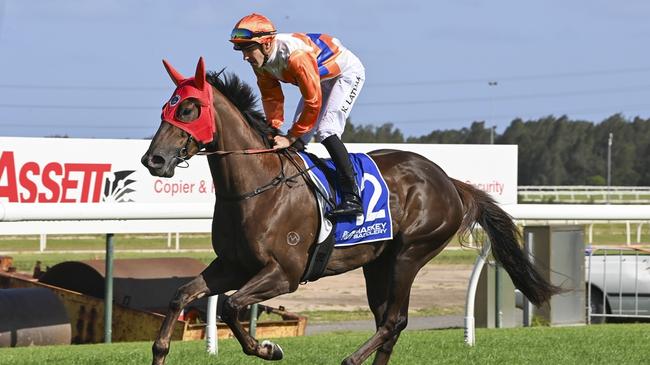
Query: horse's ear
[175, 75]
[199, 76]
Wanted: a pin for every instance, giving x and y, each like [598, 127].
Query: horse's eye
[186, 112]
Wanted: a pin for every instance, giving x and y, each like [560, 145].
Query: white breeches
[339, 95]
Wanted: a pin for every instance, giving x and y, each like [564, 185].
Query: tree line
[552, 150]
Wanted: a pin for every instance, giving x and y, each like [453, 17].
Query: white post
[628, 233]
[211, 340]
[178, 242]
[43, 242]
[638, 232]
[471, 294]
[169, 239]
[528, 306]
[591, 234]
[609, 165]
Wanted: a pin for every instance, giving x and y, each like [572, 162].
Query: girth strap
[319, 256]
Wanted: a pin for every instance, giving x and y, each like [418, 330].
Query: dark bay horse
[264, 224]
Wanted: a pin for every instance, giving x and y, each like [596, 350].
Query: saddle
[373, 225]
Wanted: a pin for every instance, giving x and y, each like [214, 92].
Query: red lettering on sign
[100, 169]
[52, 183]
[7, 168]
[88, 172]
[28, 184]
[67, 184]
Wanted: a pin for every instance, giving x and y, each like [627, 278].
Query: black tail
[503, 234]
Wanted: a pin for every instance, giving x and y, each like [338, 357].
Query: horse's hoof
[274, 349]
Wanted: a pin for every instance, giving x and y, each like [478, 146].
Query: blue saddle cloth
[375, 223]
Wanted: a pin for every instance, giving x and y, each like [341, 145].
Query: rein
[251, 151]
[184, 157]
[279, 179]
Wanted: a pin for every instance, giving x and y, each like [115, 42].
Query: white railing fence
[50, 219]
[584, 194]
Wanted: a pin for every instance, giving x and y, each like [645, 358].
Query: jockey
[329, 77]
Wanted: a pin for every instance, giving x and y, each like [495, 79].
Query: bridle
[182, 155]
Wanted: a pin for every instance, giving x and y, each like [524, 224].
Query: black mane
[242, 96]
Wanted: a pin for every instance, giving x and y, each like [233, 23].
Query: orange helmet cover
[253, 28]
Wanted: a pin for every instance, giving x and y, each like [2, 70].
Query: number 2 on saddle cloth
[375, 223]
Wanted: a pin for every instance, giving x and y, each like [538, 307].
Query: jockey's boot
[351, 200]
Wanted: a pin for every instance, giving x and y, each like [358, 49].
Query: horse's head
[187, 123]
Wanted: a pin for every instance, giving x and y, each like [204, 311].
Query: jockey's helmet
[253, 28]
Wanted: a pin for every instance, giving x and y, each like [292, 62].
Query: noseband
[182, 155]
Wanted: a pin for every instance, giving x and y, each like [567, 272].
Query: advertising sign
[96, 171]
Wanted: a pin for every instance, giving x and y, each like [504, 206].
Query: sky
[92, 69]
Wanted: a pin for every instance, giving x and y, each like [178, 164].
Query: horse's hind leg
[214, 279]
[407, 264]
[270, 282]
[377, 274]
[386, 350]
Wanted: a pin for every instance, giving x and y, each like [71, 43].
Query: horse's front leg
[268, 283]
[217, 278]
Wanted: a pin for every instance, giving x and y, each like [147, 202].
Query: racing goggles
[244, 34]
[244, 38]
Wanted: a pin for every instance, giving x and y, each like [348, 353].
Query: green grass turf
[598, 344]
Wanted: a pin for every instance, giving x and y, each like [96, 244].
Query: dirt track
[435, 286]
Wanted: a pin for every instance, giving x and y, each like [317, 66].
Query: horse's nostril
[157, 160]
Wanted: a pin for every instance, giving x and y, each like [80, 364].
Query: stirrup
[351, 206]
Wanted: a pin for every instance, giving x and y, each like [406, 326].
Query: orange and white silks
[305, 60]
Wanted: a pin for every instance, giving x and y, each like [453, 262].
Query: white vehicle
[618, 285]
